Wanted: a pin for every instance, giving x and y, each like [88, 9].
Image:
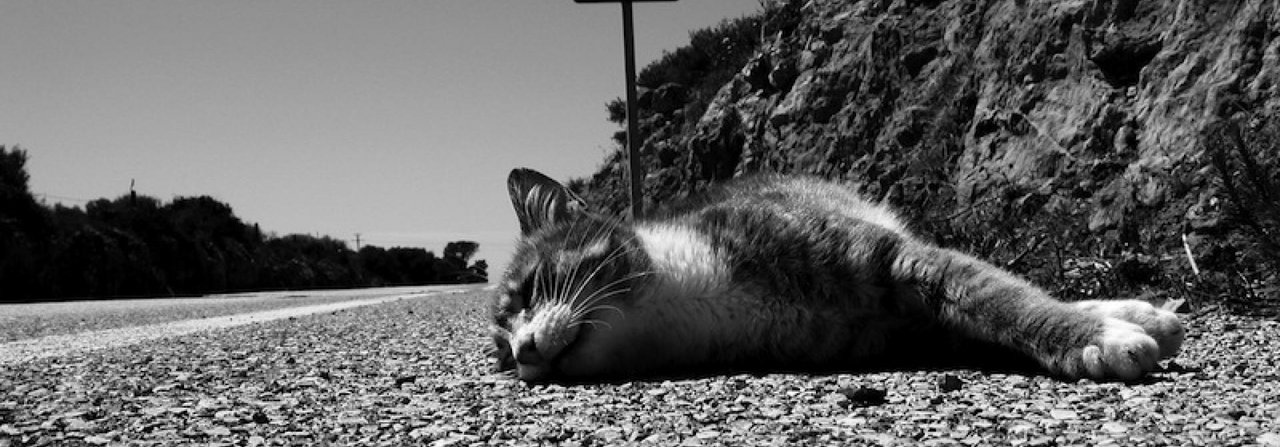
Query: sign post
[633, 132]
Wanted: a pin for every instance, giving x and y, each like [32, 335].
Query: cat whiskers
[563, 283]
[588, 307]
[593, 323]
[620, 250]
[599, 234]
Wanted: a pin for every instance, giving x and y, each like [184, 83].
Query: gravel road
[413, 372]
[63, 344]
[20, 321]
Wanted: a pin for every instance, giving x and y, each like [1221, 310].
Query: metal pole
[633, 132]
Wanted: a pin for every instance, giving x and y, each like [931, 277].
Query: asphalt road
[128, 322]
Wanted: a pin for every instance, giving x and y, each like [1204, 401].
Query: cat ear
[540, 201]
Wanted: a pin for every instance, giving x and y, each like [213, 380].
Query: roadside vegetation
[135, 245]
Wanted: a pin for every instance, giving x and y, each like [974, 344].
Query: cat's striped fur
[781, 274]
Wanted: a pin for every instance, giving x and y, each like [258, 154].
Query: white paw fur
[1159, 324]
[1122, 351]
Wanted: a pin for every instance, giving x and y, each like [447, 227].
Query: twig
[1186, 247]
[1036, 242]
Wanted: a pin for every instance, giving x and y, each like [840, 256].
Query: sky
[396, 120]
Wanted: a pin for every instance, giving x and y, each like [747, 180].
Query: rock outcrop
[1024, 129]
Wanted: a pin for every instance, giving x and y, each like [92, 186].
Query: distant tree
[25, 230]
[479, 271]
[380, 267]
[453, 266]
[416, 264]
[461, 250]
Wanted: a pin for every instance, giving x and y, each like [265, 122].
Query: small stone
[1040, 441]
[1061, 414]
[80, 425]
[864, 397]
[226, 417]
[852, 421]
[1115, 427]
[1269, 440]
[691, 442]
[1017, 381]
[218, 431]
[308, 382]
[1022, 428]
[949, 382]
[353, 420]
[608, 434]
[96, 440]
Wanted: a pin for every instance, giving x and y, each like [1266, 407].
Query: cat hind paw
[1122, 351]
[1159, 324]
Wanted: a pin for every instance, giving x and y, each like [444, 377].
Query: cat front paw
[1160, 324]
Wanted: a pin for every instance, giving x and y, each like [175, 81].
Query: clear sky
[398, 120]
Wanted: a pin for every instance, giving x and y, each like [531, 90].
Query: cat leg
[982, 301]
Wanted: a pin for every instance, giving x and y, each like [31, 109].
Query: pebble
[218, 431]
[609, 434]
[1115, 427]
[949, 382]
[80, 425]
[1061, 414]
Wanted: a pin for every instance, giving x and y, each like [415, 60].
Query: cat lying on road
[782, 274]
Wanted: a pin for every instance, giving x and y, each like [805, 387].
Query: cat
[773, 273]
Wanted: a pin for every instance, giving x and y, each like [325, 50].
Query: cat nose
[527, 353]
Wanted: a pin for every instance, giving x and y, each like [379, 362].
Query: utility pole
[357, 241]
[633, 127]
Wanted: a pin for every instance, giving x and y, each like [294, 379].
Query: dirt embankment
[1055, 136]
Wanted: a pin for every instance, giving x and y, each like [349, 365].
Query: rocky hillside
[1070, 140]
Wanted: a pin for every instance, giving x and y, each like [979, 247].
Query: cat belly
[741, 330]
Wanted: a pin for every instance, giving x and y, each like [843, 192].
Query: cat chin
[533, 373]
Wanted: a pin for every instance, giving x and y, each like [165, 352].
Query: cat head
[559, 312]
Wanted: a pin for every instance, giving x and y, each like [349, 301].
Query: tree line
[135, 245]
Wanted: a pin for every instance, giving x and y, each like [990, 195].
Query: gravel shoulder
[414, 372]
